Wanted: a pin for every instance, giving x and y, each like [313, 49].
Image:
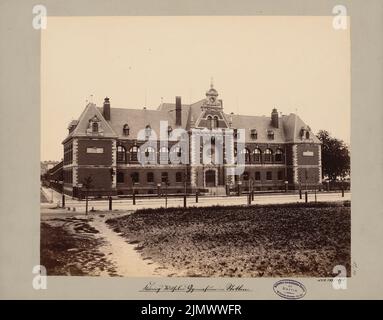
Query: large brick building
[107, 145]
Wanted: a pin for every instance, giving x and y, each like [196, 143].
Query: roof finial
[211, 83]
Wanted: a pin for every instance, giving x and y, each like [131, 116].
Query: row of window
[68, 154]
[256, 156]
[179, 176]
[257, 175]
[135, 177]
[213, 123]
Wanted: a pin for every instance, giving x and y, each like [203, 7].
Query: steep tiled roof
[260, 123]
[137, 119]
[83, 122]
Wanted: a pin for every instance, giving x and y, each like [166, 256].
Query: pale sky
[296, 64]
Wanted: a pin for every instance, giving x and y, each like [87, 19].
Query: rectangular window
[280, 175]
[135, 177]
[94, 150]
[269, 175]
[150, 177]
[179, 176]
[257, 175]
[120, 177]
[164, 177]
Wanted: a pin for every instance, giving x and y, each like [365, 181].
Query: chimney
[106, 109]
[274, 118]
[178, 111]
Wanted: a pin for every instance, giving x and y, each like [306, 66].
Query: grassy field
[258, 241]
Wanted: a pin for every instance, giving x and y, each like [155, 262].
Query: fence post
[306, 196]
[110, 203]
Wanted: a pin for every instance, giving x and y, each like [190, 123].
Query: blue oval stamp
[289, 289]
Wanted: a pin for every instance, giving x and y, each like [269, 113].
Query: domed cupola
[211, 95]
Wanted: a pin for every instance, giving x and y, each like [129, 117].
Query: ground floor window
[257, 175]
[164, 177]
[135, 177]
[178, 176]
[120, 177]
[150, 177]
[280, 175]
[269, 175]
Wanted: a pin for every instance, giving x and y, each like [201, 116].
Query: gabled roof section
[90, 112]
[292, 125]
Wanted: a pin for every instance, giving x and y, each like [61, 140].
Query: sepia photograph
[195, 146]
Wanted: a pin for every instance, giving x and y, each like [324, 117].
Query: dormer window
[254, 134]
[94, 126]
[305, 133]
[270, 134]
[125, 130]
[236, 134]
[148, 131]
[170, 129]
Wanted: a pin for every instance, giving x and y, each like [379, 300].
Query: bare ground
[70, 246]
[258, 241]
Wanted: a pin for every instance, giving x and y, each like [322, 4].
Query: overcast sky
[296, 64]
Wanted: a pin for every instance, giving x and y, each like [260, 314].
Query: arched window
[279, 155]
[257, 155]
[307, 135]
[246, 154]
[94, 127]
[270, 134]
[268, 155]
[164, 155]
[209, 122]
[133, 152]
[150, 154]
[125, 130]
[215, 122]
[150, 177]
[121, 154]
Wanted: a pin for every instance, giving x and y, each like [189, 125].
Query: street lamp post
[159, 189]
[306, 193]
[166, 193]
[185, 181]
[196, 191]
[252, 189]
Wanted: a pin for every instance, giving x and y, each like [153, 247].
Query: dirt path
[127, 261]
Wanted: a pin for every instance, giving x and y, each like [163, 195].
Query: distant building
[47, 165]
[102, 144]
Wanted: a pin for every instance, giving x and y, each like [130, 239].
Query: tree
[335, 156]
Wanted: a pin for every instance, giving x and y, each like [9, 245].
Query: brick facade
[104, 150]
